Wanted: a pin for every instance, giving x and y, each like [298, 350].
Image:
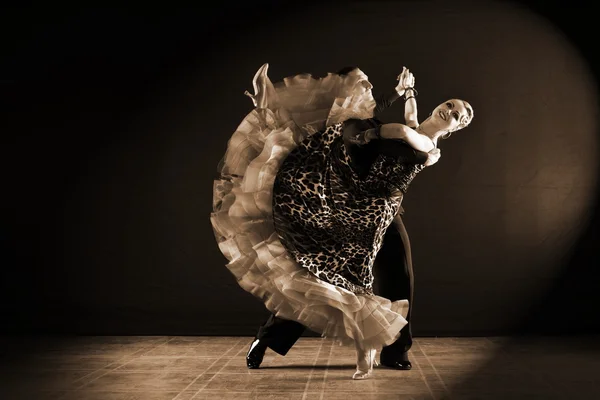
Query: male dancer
[393, 264]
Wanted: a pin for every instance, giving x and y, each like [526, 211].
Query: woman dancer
[300, 226]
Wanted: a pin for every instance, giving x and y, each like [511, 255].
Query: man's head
[356, 79]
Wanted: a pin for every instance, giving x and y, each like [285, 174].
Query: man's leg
[394, 277]
[277, 334]
[280, 334]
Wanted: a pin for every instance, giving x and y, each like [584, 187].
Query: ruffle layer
[243, 222]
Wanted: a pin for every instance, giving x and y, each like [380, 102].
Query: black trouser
[393, 280]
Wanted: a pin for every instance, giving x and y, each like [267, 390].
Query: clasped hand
[406, 80]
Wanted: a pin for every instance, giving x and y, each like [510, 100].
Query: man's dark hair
[346, 70]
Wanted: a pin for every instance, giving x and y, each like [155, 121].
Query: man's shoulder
[367, 123]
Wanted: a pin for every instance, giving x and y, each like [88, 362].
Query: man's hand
[433, 156]
[405, 80]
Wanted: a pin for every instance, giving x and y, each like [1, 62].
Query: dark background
[115, 121]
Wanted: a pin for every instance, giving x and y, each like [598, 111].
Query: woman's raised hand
[405, 80]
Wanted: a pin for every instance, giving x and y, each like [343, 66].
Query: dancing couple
[307, 209]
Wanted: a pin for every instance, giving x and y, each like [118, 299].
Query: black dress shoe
[396, 362]
[255, 354]
[404, 365]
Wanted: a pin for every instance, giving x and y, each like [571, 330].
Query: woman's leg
[365, 358]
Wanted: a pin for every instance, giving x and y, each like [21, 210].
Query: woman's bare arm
[410, 109]
[406, 84]
[413, 138]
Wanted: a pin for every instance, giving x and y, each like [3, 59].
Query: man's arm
[405, 80]
[402, 152]
[362, 132]
[385, 101]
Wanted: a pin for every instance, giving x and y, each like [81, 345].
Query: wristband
[415, 93]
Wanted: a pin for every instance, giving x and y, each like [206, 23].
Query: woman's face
[452, 115]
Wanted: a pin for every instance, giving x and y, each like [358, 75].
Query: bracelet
[415, 93]
[409, 97]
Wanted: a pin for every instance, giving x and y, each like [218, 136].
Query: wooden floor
[184, 368]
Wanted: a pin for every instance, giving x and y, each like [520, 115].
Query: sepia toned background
[116, 121]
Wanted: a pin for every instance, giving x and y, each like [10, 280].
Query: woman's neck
[429, 129]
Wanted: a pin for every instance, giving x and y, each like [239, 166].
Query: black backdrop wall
[116, 121]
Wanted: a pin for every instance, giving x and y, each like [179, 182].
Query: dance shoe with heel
[365, 359]
[260, 84]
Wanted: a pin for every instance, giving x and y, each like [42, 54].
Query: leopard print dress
[328, 219]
